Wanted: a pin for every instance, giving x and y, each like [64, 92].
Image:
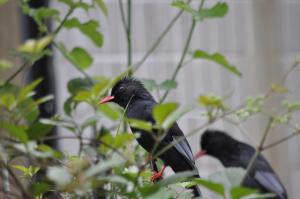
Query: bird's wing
[182, 144]
[174, 135]
[267, 178]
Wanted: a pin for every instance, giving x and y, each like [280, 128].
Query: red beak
[199, 154]
[106, 99]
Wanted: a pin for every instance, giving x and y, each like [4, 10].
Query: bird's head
[215, 143]
[127, 90]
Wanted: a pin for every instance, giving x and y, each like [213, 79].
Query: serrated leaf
[162, 111]
[81, 58]
[217, 58]
[168, 85]
[102, 6]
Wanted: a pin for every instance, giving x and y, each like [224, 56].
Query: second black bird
[232, 153]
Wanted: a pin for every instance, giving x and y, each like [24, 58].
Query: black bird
[140, 104]
[232, 153]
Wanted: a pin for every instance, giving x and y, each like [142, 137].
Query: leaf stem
[159, 39]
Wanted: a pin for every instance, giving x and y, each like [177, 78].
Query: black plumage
[233, 153]
[140, 104]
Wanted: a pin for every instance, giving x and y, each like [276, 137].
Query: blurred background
[260, 37]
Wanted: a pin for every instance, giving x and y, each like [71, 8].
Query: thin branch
[123, 15]
[21, 68]
[159, 39]
[280, 140]
[258, 149]
[129, 44]
[187, 44]
[70, 11]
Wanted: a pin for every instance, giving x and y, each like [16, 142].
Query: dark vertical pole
[42, 68]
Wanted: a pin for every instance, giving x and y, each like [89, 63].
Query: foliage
[109, 162]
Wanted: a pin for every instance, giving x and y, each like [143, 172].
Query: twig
[129, 44]
[187, 44]
[281, 140]
[258, 149]
[70, 11]
[157, 42]
[22, 67]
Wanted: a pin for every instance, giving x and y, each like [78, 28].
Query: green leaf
[140, 124]
[38, 130]
[218, 10]
[59, 175]
[211, 101]
[211, 185]
[162, 111]
[5, 64]
[78, 84]
[102, 6]
[230, 177]
[2, 2]
[81, 58]
[104, 166]
[178, 177]
[239, 192]
[149, 84]
[174, 116]
[39, 188]
[14, 130]
[36, 45]
[279, 89]
[217, 58]
[111, 111]
[74, 60]
[89, 29]
[27, 90]
[168, 85]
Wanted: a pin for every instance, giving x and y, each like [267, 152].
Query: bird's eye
[121, 88]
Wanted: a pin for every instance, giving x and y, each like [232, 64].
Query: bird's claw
[156, 176]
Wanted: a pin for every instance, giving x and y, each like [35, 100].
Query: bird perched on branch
[232, 153]
[131, 93]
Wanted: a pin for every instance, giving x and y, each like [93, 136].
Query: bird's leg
[158, 175]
